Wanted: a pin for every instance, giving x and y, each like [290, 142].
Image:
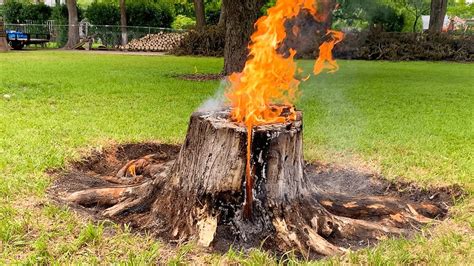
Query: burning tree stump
[201, 193]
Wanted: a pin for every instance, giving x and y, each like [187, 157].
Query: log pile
[160, 42]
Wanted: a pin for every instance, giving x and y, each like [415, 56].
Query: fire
[267, 83]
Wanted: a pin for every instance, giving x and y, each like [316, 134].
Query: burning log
[203, 190]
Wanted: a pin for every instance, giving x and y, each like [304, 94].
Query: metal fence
[106, 36]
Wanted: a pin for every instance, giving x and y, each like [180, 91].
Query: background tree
[123, 21]
[461, 9]
[200, 14]
[240, 18]
[326, 8]
[73, 29]
[222, 16]
[3, 40]
[417, 8]
[437, 14]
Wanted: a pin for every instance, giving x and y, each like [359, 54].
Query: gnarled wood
[203, 189]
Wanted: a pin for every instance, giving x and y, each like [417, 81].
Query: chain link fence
[102, 36]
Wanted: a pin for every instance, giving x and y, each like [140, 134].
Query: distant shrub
[103, 13]
[149, 14]
[208, 42]
[386, 18]
[139, 13]
[183, 22]
[20, 12]
[395, 46]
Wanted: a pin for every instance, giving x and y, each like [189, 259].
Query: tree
[325, 9]
[417, 8]
[200, 14]
[437, 14]
[3, 40]
[73, 30]
[123, 22]
[222, 16]
[240, 19]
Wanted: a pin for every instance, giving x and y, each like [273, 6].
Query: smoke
[217, 101]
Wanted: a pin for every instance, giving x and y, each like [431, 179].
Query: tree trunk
[200, 195]
[123, 22]
[325, 9]
[415, 23]
[437, 15]
[222, 16]
[73, 31]
[240, 19]
[3, 38]
[200, 14]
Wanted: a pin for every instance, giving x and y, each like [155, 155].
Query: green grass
[410, 121]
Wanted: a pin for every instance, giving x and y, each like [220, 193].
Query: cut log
[203, 190]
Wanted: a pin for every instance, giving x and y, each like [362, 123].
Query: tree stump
[202, 192]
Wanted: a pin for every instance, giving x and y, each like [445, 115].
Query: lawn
[409, 121]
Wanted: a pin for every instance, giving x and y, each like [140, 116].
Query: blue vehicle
[17, 39]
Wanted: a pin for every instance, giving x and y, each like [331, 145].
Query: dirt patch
[200, 77]
[96, 170]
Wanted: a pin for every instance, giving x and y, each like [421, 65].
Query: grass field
[409, 121]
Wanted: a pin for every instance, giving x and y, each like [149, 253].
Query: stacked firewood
[160, 42]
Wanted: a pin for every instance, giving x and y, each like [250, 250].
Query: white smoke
[217, 101]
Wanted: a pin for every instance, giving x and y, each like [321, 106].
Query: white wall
[52, 2]
[426, 21]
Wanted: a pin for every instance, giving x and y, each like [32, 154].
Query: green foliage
[183, 22]
[360, 14]
[139, 13]
[12, 11]
[37, 12]
[184, 7]
[461, 9]
[103, 13]
[146, 13]
[213, 11]
[21, 12]
[413, 10]
[387, 19]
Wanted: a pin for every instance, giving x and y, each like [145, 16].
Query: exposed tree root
[200, 191]
[305, 224]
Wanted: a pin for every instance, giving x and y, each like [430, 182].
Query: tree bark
[325, 9]
[200, 14]
[415, 23]
[240, 19]
[222, 16]
[437, 15]
[73, 30]
[201, 193]
[123, 22]
[3, 40]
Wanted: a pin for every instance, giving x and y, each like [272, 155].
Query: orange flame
[267, 83]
